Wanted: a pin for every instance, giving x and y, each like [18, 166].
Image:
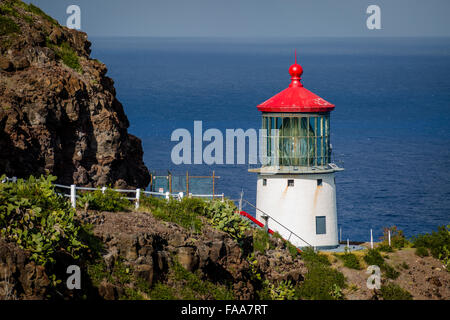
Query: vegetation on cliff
[189, 249]
[39, 220]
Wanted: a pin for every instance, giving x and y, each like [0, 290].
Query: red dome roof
[295, 98]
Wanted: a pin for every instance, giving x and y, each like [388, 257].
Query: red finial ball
[296, 70]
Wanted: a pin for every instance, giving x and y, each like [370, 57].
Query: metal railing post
[73, 195]
[138, 197]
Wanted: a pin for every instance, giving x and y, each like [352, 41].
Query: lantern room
[297, 126]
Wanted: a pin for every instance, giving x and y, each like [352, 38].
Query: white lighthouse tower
[296, 188]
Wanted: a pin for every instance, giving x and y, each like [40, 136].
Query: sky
[254, 18]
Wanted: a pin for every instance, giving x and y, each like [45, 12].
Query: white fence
[73, 194]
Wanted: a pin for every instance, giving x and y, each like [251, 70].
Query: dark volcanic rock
[20, 277]
[61, 120]
[150, 246]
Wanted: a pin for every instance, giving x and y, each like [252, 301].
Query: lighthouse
[296, 186]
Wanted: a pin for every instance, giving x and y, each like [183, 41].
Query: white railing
[73, 193]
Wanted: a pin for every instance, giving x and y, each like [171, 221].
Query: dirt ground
[425, 278]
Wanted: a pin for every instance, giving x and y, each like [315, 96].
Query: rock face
[58, 110]
[150, 246]
[20, 277]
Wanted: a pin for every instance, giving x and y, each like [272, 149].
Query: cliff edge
[58, 110]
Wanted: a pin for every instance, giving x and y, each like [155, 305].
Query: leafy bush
[322, 282]
[261, 241]
[398, 239]
[438, 242]
[350, 260]
[284, 291]
[195, 288]
[422, 252]
[185, 212]
[111, 201]
[404, 265]
[68, 56]
[309, 255]
[8, 26]
[385, 248]
[223, 216]
[35, 217]
[390, 271]
[373, 257]
[393, 291]
[162, 291]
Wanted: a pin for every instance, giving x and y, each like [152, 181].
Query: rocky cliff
[58, 110]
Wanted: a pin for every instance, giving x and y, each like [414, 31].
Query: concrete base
[303, 203]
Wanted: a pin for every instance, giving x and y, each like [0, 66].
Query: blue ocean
[390, 127]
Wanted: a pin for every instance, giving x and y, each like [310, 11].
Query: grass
[322, 282]
[110, 200]
[184, 213]
[393, 291]
[196, 288]
[261, 241]
[8, 26]
[350, 260]
[373, 257]
[36, 10]
[68, 56]
[422, 252]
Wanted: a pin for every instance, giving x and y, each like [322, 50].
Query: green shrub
[309, 255]
[384, 248]
[390, 271]
[404, 265]
[322, 282]
[223, 216]
[195, 288]
[261, 241]
[350, 260]
[422, 252]
[438, 242]
[110, 200]
[284, 291]
[162, 291]
[8, 26]
[35, 217]
[68, 56]
[184, 213]
[398, 239]
[393, 291]
[373, 257]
